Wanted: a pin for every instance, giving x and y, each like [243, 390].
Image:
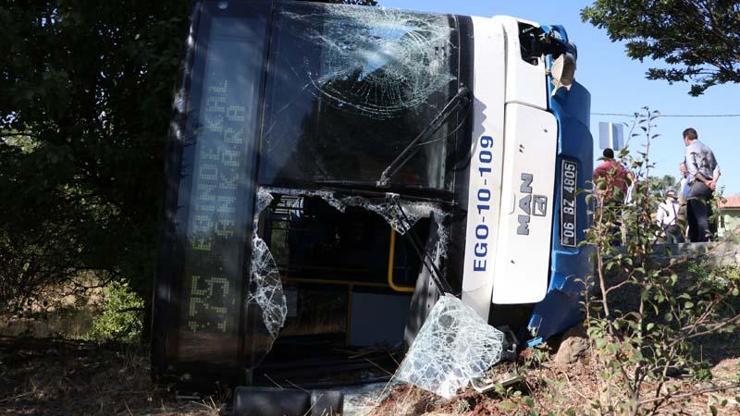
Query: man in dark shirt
[703, 175]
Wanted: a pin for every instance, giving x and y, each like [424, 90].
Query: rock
[573, 345]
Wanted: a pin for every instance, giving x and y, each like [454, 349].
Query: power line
[672, 115]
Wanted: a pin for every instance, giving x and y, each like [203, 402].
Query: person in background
[611, 181]
[667, 218]
[612, 178]
[683, 184]
[683, 194]
[703, 175]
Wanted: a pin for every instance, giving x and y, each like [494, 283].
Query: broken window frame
[400, 214]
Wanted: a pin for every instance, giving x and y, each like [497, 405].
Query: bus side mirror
[563, 71]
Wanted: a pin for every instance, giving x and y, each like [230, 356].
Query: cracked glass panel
[319, 234]
[350, 88]
[453, 347]
[265, 287]
[400, 214]
[378, 61]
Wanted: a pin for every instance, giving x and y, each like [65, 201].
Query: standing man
[611, 181]
[703, 176]
[611, 178]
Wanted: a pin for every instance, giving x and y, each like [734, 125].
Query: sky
[618, 84]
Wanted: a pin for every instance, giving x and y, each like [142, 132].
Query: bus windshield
[349, 87]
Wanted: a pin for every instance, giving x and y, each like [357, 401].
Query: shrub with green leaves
[121, 319]
[649, 309]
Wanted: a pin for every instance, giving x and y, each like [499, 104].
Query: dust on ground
[59, 377]
[551, 388]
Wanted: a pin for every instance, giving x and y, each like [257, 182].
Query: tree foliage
[85, 102]
[650, 313]
[85, 98]
[699, 40]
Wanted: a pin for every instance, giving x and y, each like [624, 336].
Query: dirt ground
[57, 377]
[567, 391]
[551, 388]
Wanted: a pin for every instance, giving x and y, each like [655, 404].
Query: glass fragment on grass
[453, 347]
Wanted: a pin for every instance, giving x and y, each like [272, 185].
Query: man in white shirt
[667, 218]
[703, 176]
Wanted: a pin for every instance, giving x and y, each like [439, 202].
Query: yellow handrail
[391, 263]
[391, 283]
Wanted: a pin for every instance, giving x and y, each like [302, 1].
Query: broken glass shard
[266, 289]
[453, 347]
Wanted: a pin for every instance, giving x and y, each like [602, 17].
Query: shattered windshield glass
[454, 347]
[350, 87]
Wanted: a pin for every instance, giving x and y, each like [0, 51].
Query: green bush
[121, 319]
[647, 315]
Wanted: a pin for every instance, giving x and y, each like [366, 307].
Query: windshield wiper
[461, 100]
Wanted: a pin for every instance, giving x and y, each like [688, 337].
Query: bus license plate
[568, 181]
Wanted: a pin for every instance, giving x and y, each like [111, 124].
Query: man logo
[539, 207]
[529, 204]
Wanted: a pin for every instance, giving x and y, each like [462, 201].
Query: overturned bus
[333, 169]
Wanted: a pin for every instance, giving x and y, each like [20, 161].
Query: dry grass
[555, 389]
[43, 377]
[65, 310]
